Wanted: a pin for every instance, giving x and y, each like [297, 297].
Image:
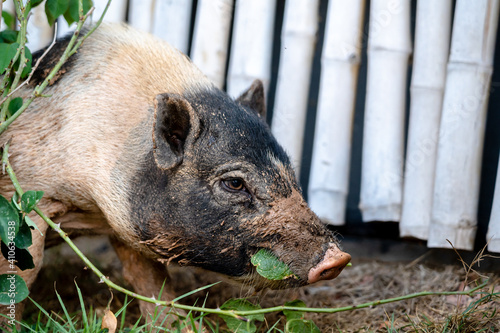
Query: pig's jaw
[329, 267]
[296, 237]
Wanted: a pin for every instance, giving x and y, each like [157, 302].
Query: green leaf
[23, 237]
[35, 3]
[301, 326]
[55, 8]
[245, 324]
[21, 257]
[32, 4]
[9, 19]
[8, 36]
[9, 221]
[30, 199]
[291, 314]
[72, 14]
[7, 52]
[15, 104]
[271, 267]
[13, 289]
[31, 224]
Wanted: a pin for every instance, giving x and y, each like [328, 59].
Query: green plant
[86, 321]
[270, 267]
[15, 66]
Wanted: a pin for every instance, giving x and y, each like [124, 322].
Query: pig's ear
[175, 125]
[255, 98]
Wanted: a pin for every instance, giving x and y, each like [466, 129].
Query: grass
[89, 321]
[480, 315]
[80, 308]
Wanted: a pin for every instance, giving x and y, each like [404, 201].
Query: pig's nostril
[330, 267]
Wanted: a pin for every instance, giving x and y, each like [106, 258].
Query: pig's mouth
[329, 267]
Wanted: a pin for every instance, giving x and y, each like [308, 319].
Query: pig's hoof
[330, 267]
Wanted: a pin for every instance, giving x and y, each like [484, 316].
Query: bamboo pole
[211, 38]
[63, 28]
[140, 14]
[493, 236]
[298, 38]
[251, 49]
[329, 177]
[40, 33]
[432, 41]
[172, 21]
[460, 147]
[389, 47]
[116, 13]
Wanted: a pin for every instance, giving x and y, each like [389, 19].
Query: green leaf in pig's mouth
[270, 267]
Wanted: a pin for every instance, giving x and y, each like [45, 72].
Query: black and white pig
[136, 143]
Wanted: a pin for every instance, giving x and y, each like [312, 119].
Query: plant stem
[39, 60]
[10, 171]
[72, 47]
[366, 305]
[23, 18]
[8, 70]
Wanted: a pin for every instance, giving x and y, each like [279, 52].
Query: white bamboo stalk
[211, 38]
[389, 47]
[432, 41]
[63, 28]
[329, 177]
[493, 236]
[140, 14]
[40, 33]
[251, 49]
[116, 13]
[172, 20]
[298, 38]
[458, 169]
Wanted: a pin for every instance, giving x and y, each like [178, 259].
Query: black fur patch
[181, 214]
[238, 130]
[51, 58]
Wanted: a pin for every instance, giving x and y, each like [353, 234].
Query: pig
[136, 143]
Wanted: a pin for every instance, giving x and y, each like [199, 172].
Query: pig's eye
[234, 185]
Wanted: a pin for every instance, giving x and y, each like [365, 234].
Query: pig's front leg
[146, 277]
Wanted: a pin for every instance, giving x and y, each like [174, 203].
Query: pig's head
[217, 187]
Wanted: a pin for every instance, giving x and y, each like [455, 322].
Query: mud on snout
[296, 236]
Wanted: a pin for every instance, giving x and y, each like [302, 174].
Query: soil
[368, 280]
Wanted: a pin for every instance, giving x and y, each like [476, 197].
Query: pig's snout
[330, 267]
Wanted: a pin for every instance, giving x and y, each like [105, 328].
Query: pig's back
[102, 96]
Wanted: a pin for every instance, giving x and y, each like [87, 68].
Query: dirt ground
[367, 280]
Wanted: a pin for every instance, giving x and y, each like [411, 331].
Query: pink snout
[330, 267]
